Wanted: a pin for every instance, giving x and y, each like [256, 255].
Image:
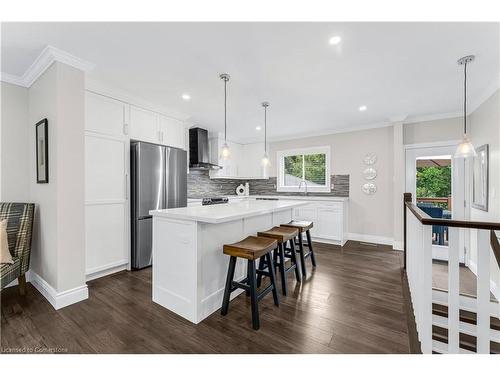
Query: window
[311, 165]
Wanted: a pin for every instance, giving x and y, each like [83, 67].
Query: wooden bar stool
[282, 235]
[303, 226]
[251, 248]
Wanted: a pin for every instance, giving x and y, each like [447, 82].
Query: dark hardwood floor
[352, 303]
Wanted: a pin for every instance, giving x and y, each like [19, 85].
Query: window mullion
[303, 167]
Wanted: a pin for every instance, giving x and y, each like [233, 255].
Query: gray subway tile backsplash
[200, 185]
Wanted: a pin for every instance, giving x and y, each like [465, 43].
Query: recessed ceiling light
[334, 40]
[258, 128]
[363, 108]
[186, 97]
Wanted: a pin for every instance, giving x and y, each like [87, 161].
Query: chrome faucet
[305, 183]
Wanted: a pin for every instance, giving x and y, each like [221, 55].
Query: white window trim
[280, 155]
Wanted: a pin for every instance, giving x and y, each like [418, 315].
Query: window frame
[280, 157]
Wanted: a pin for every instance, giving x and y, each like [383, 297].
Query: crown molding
[12, 79]
[433, 117]
[317, 134]
[44, 60]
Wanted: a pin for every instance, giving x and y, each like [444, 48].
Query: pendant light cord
[225, 111]
[465, 98]
[265, 129]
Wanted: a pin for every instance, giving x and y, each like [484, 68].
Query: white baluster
[453, 291]
[483, 291]
[426, 306]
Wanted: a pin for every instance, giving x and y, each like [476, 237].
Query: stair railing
[418, 266]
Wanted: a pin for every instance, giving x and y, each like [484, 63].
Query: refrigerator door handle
[126, 186]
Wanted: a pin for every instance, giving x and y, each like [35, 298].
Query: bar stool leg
[262, 266]
[273, 279]
[302, 256]
[309, 242]
[229, 282]
[281, 266]
[294, 260]
[252, 282]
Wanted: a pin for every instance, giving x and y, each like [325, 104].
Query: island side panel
[175, 266]
[282, 217]
[211, 238]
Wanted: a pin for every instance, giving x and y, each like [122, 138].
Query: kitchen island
[189, 268]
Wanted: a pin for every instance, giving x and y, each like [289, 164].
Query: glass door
[436, 182]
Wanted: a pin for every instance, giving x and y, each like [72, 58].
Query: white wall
[43, 104]
[368, 215]
[449, 129]
[485, 129]
[14, 175]
[58, 253]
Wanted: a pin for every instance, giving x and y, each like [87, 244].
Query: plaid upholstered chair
[19, 229]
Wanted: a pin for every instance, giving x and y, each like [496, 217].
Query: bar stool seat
[282, 235]
[300, 225]
[251, 249]
[303, 226]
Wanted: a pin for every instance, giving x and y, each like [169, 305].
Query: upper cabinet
[172, 132]
[144, 125]
[251, 163]
[104, 115]
[244, 163]
[149, 126]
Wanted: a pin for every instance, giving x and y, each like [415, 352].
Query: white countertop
[227, 212]
[283, 197]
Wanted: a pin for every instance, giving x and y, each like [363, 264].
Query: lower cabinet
[329, 219]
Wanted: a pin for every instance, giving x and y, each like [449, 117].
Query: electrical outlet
[332, 187]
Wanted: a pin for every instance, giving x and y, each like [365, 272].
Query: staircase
[449, 321]
[467, 324]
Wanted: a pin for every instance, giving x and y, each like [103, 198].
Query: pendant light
[225, 152]
[465, 149]
[265, 159]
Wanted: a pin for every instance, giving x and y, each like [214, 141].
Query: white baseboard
[398, 245]
[106, 270]
[326, 240]
[370, 238]
[58, 299]
[495, 290]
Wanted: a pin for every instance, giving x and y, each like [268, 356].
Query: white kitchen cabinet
[144, 125]
[244, 163]
[251, 163]
[229, 167]
[171, 132]
[106, 202]
[330, 220]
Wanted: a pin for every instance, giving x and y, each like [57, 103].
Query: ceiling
[395, 69]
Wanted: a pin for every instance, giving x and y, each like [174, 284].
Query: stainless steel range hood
[198, 150]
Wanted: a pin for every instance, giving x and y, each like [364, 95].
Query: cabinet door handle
[125, 129]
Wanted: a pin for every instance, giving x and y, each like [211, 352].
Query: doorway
[436, 181]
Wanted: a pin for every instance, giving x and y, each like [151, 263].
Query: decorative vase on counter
[240, 190]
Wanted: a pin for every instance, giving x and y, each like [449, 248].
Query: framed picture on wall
[42, 151]
[480, 178]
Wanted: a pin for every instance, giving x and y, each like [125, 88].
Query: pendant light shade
[265, 159]
[465, 149]
[225, 151]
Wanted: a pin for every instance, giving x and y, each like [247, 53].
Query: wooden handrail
[427, 220]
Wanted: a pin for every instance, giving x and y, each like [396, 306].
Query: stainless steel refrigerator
[158, 180]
